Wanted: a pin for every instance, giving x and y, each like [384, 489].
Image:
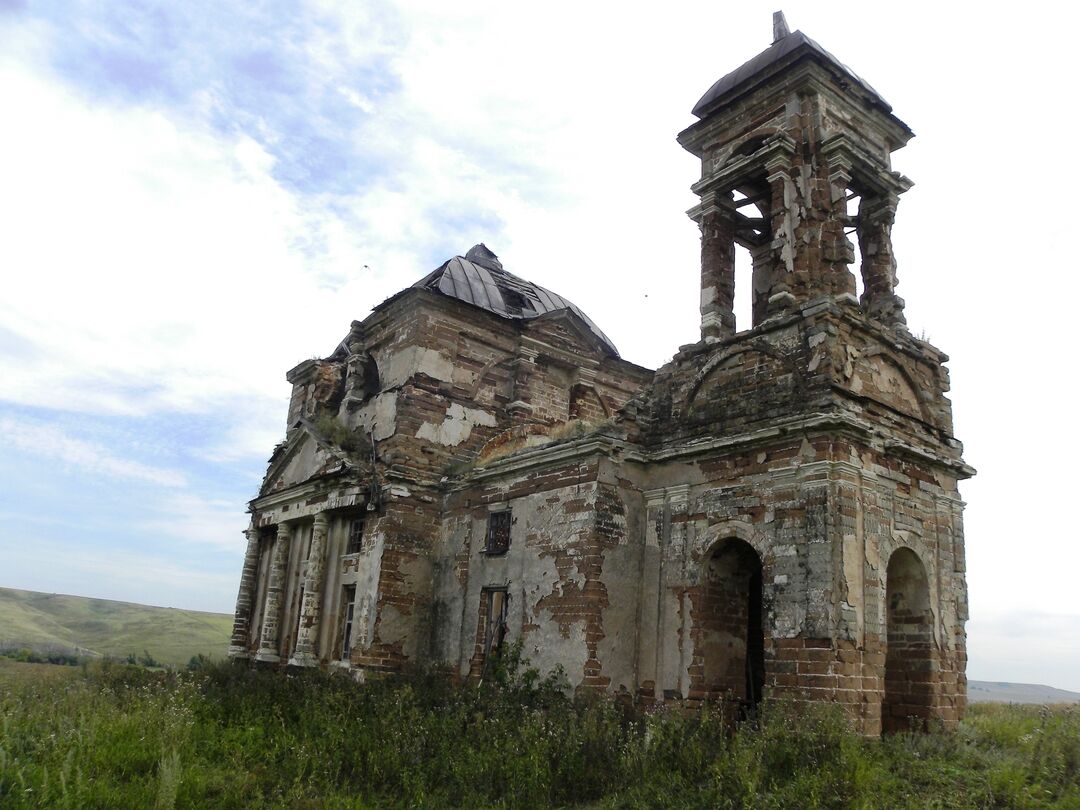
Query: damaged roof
[478, 278]
[786, 50]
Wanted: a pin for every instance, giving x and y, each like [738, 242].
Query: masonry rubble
[775, 510]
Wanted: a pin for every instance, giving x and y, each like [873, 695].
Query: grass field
[225, 736]
[101, 627]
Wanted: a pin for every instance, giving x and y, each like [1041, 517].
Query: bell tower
[795, 163]
[803, 473]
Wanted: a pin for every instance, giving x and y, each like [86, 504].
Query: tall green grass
[226, 736]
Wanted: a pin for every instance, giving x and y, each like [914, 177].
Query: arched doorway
[731, 641]
[910, 654]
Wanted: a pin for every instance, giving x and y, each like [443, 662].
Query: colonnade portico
[293, 570]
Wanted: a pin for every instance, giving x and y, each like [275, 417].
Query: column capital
[879, 208]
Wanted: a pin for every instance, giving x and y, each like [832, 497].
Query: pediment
[567, 331]
[876, 375]
[304, 456]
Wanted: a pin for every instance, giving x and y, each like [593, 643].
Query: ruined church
[774, 511]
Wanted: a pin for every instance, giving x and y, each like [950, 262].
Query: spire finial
[779, 26]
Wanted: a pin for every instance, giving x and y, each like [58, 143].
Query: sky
[194, 197]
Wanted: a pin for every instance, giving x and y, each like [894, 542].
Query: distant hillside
[102, 627]
[995, 692]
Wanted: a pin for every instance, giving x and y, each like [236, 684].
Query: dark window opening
[349, 603]
[498, 533]
[356, 536]
[494, 604]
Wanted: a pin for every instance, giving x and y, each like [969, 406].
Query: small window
[356, 536]
[309, 533]
[498, 533]
[349, 603]
[494, 604]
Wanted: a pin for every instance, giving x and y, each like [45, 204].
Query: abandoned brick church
[775, 510]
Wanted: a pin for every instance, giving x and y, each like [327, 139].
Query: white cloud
[153, 264]
[127, 576]
[44, 441]
[189, 521]
[1030, 646]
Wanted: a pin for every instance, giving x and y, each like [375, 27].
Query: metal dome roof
[478, 278]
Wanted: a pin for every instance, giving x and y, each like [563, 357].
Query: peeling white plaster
[456, 426]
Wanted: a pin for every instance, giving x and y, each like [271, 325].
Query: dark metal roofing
[478, 278]
[789, 49]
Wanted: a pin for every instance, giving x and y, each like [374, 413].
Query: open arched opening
[852, 203]
[731, 639]
[909, 656]
[753, 239]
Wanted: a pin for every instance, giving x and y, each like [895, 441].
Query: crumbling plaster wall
[623, 568]
[572, 571]
[447, 378]
[453, 377]
[824, 516]
[826, 359]
[359, 569]
[413, 420]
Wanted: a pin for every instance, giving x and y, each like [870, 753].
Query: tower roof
[788, 49]
[478, 278]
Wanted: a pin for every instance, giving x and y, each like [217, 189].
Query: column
[837, 252]
[679, 513]
[879, 301]
[275, 592]
[649, 668]
[520, 407]
[779, 264]
[717, 274]
[238, 644]
[307, 637]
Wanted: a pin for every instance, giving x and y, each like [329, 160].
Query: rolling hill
[102, 627]
[999, 692]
